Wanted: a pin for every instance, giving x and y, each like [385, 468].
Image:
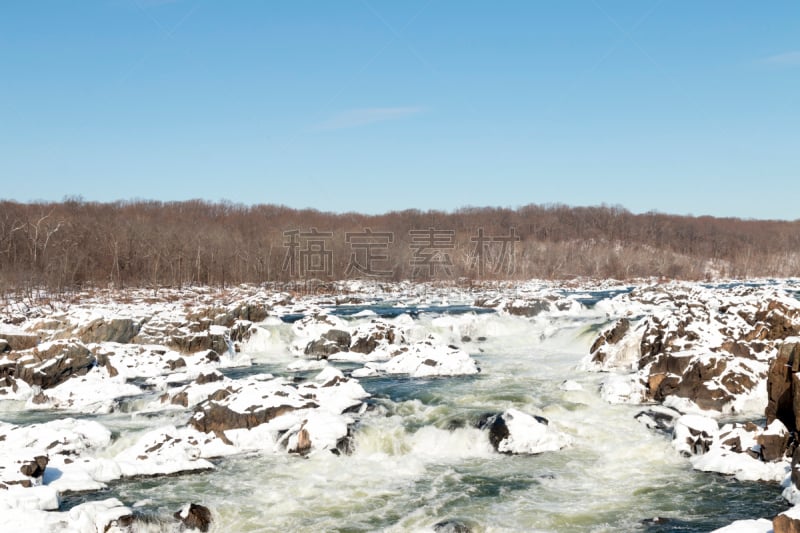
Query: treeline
[75, 244]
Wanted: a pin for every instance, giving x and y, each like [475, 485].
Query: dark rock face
[706, 346]
[196, 517]
[612, 335]
[55, 365]
[498, 430]
[783, 388]
[331, 342]
[210, 416]
[381, 332]
[692, 383]
[198, 342]
[34, 468]
[121, 330]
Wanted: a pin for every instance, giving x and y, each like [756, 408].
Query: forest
[73, 245]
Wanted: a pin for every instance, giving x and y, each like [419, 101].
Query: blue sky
[684, 107]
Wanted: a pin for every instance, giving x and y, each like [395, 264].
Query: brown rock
[772, 446]
[303, 443]
[333, 341]
[195, 517]
[19, 341]
[121, 330]
[211, 416]
[56, 364]
[174, 364]
[34, 468]
[209, 378]
[785, 524]
[780, 386]
[612, 335]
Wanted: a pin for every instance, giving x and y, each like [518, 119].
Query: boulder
[55, 363]
[782, 386]
[367, 340]
[498, 430]
[612, 335]
[528, 308]
[195, 516]
[451, 526]
[694, 434]
[515, 432]
[199, 342]
[331, 342]
[659, 418]
[787, 522]
[19, 341]
[121, 330]
[35, 467]
[213, 416]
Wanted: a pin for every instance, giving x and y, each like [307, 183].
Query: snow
[162, 451]
[760, 525]
[527, 435]
[423, 359]
[622, 388]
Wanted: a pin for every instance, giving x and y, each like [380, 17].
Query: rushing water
[418, 459]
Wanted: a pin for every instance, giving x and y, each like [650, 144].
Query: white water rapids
[418, 459]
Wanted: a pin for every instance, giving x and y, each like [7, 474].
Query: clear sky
[371, 105]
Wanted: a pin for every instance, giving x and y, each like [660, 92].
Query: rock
[694, 434]
[498, 431]
[195, 516]
[121, 330]
[795, 468]
[612, 335]
[198, 342]
[4, 346]
[705, 348]
[211, 377]
[422, 359]
[773, 441]
[787, 522]
[529, 308]
[34, 468]
[782, 387]
[658, 418]
[53, 363]
[451, 526]
[213, 416]
[331, 342]
[515, 432]
[19, 341]
[367, 339]
[174, 364]
[303, 445]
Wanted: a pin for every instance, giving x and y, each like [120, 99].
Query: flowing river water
[418, 459]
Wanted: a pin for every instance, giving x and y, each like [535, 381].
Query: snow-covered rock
[516, 432]
[423, 359]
